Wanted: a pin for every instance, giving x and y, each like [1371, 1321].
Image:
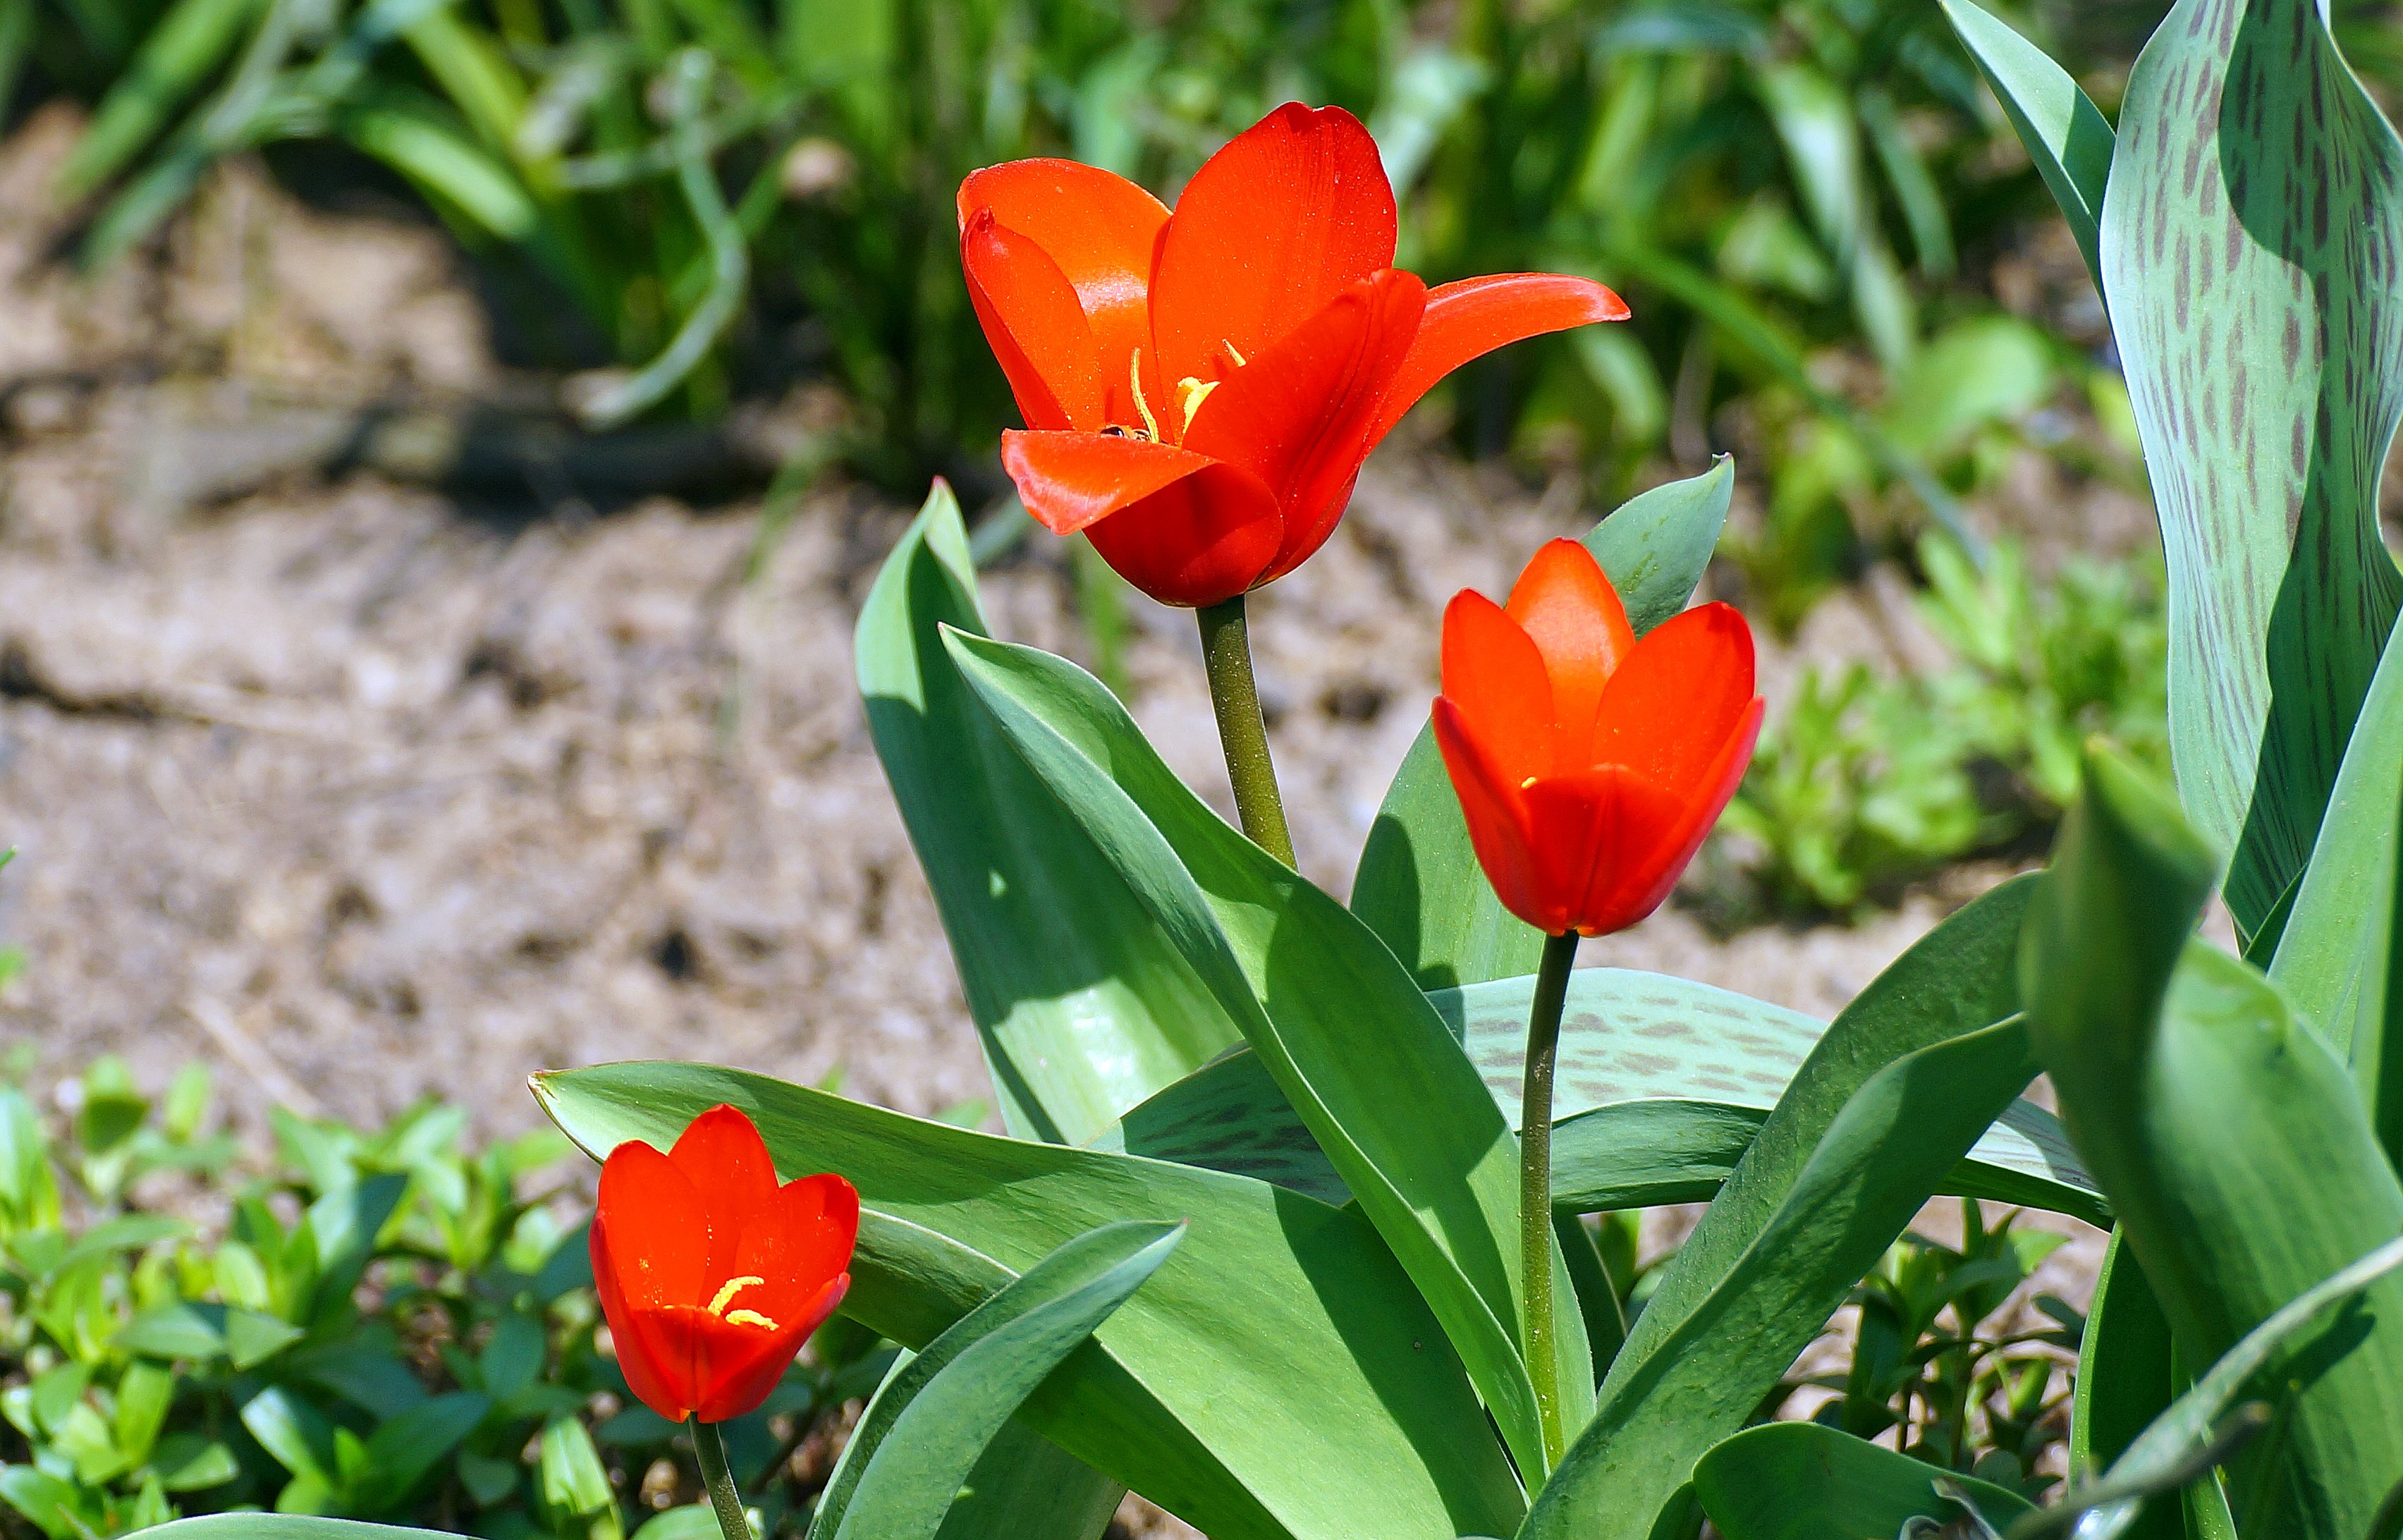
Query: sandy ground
[364, 798]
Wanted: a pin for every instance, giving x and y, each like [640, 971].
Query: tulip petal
[1287, 215]
[1494, 678]
[1497, 822]
[1296, 416]
[1678, 697]
[1036, 329]
[727, 1162]
[1198, 542]
[1626, 889]
[639, 1356]
[1071, 479]
[1471, 318]
[804, 1239]
[1601, 839]
[1099, 228]
[658, 1226]
[1564, 602]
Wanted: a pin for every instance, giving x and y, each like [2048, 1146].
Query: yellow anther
[1528, 781]
[1195, 392]
[749, 1318]
[1231, 352]
[725, 1295]
[1134, 382]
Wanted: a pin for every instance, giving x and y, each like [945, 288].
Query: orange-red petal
[1679, 694]
[1624, 892]
[1035, 325]
[1471, 318]
[658, 1225]
[1296, 415]
[1497, 821]
[1099, 228]
[722, 1155]
[1564, 602]
[1494, 678]
[1287, 215]
[1197, 542]
[639, 1358]
[1600, 837]
[1071, 479]
[805, 1238]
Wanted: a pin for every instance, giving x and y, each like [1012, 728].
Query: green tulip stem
[724, 1496]
[1535, 1181]
[1242, 731]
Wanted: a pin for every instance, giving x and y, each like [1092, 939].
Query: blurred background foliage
[1842, 264]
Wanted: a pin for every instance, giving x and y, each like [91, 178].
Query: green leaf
[1025, 1484]
[932, 1421]
[1360, 1053]
[1662, 1085]
[2170, 1448]
[447, 166]
[1419, 886]
[1955, 979]
[1105, 1012]
[2249, 240]
[1279, 1376]
[2229, 1138]
[2065, 135]
[573, 1483]
[280, 1526]
[178, 53]
[1806, 1481]
[2337, 957]
[1880, 1159]
[2124, 1374]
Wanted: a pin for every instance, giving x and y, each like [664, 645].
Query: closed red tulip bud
[1200, 388]
[1590, 765]
[711, 1275]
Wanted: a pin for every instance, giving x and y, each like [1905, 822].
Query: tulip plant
[1286, 1229]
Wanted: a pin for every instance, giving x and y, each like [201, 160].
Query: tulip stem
[1535, 1181]
[724, 1496]
[1242, 731]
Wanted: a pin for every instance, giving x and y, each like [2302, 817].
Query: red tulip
[1200, 388]
[1590, 765]
[711, 1275]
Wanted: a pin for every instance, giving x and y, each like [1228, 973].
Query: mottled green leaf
[2251, 234]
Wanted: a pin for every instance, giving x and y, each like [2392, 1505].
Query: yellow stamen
[1528, 781]
[749, 1318]
[725, 1296]
[1195, 392]
[1134, 382]
[1231, 352]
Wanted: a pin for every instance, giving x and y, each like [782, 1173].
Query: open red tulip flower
[1199, 388]
[1590, 765]
[711, 1275]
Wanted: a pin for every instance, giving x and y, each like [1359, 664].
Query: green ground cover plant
[377, 1324]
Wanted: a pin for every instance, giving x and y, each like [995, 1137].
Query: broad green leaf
[1805, 1481]
[930, 1422]
[2337, 957]
[2235, 1151]
[1360, 1053]
[1419, 886]
[1103, 1012]
[1879, 1162]
[2124, 1379]
[2250, 236]
[280, 1526]
[1025, 1484]
[1955, 979]
[1662, 1085]
[1278, 1377]
[2176, 1444]
[2065, 135]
